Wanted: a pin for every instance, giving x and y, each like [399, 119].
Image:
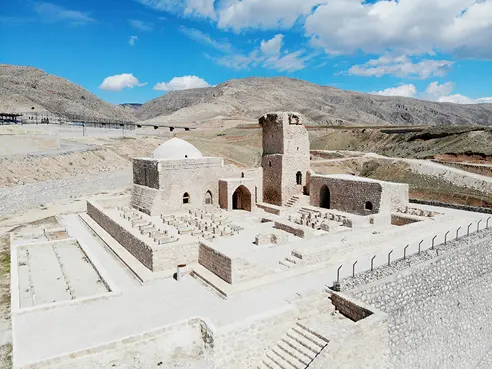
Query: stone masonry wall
[347, 195]
[139, 249]
[169, 256]
[440, 311]
[216, 262]
[349, 309]
[243, 344]
[145, 173]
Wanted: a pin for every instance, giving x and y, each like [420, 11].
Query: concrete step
[297, 356]
[286, 263]
[270, 364]
[292, 259]
[272, 355]
[288, 357]
[322, 340]
[315, 340]
[304, 353]
[301, 340]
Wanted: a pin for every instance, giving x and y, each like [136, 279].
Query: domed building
[177, 176]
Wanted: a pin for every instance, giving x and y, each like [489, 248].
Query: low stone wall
[452, 206]
[439, 310]
[292, 228]
[169, 256]
[349, 308]
[272, 209]
[138, 248]
[216, 262]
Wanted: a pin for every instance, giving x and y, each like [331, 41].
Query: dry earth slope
[22, 88]
[251, 97]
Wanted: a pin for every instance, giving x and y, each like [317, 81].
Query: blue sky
[135, 50]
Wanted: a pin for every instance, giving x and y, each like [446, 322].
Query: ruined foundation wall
[216, 262]
[139, 249]
[440, 311]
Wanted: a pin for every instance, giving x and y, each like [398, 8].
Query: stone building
[178, 177]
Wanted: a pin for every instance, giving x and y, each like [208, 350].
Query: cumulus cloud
[132, 40]
[414, 26]
[265, 14]
[435, 92]
[205, 39]
[141, 25]
[52, 13]
[402, 66]
[403, 90]
[272, 46]
[118, 82]
[182, 83]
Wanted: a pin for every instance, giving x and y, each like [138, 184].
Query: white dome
[175, 149]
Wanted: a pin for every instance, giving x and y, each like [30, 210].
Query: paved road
[21, 198]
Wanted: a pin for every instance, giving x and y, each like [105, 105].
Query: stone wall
[440, 312]
[169, 256]
[229, 186]
[216, 262]
[347, 194]
[146, 173]
[138, 248]
[453, 206]
[349, 308]
[295, 229]
[243, 344]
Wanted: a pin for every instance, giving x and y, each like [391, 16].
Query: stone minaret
[285, 157]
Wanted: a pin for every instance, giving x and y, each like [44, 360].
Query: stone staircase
[292, 201]
[290, 261]
[295, 350]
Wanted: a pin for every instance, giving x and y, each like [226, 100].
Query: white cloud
[132, 40]
[52, 13]
[411, 26]
[204, 38]
[119, 82]
[197, 8]
[436, 90]
[141, 25]
[265, 14]
[403, 90]
[272, 46]
[402, 66]
[289, 62]
[181, 83]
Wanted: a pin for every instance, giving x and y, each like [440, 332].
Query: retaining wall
[216, 262]
[440, 312]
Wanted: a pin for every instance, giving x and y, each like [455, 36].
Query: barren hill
[251, 97]
[22, 88]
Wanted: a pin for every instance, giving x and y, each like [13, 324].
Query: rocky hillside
[22, 88]
[251, 97]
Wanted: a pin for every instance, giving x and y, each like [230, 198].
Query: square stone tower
[286, 158]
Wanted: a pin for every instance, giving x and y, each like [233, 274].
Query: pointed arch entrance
[324, 197]
[241, 199]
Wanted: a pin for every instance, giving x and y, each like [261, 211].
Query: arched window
[186, 198]
[208, 198]
[242, 175]
[269, 163]
[368, 206]
[299, 178]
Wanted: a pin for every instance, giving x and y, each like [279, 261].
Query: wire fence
[441, 238]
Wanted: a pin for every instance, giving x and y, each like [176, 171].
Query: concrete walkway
[120, 275]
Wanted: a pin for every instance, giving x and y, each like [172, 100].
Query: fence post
[457, 232]
[405, 252]
[433, 239]
[446, 237]
[372, 262]
[420, 244]
[468, 231]
[353, 269]
[389, 257]
[478, 225]
[488, 222]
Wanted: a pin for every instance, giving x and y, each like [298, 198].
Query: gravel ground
[22, 198]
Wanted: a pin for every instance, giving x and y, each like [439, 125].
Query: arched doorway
[324, 197]
[208, 198]
[299, 178]
[186, 198]
[241, 199]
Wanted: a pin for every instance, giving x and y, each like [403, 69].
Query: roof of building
[175, 149]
